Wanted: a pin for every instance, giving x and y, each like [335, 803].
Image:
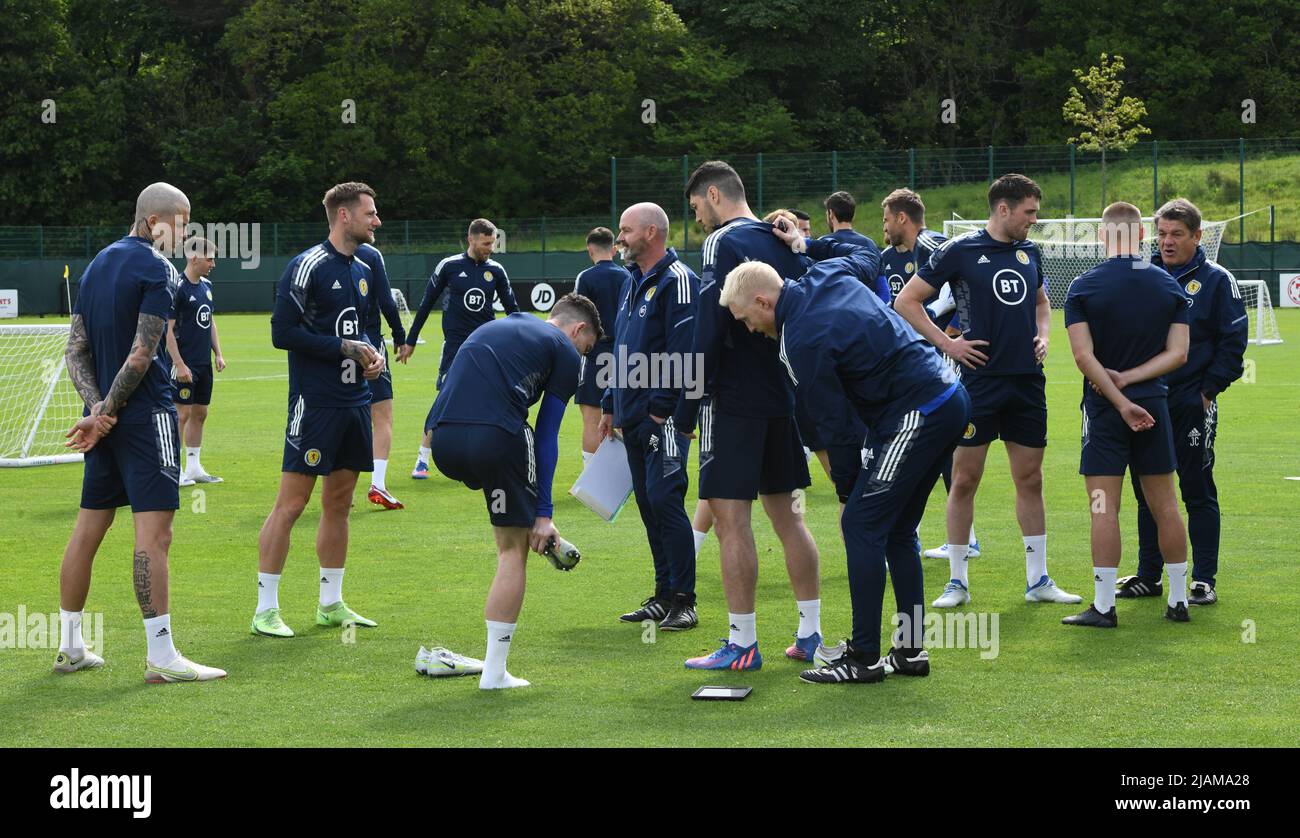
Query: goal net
[1259, 311]
[38, 403]
[1070, 246]
[404, 311]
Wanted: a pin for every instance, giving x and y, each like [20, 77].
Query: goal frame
[1260, 308]
[24, 458]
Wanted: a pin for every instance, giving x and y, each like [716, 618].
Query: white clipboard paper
[606, 482]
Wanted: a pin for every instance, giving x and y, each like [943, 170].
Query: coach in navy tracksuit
[655, 325]
[833, 332]
[1218, 324]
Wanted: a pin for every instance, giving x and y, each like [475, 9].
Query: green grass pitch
[423, 573]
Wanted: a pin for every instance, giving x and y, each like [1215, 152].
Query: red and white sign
[8, 302]
[1289, 285]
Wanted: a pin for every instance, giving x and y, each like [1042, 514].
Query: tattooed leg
[153, 535]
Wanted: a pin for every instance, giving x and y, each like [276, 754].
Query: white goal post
[38, 403]
[404, 311]
[1259, 309]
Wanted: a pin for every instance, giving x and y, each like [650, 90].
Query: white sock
[1177, 582]
[268, 591]
[331, 585]
[494, 674]
[1103, 580]
[1035, 558]
[957, 563]
[192, 464]
[810, 617]
[972, 534]
[587, 455]
[70, 639]
[158, 631]
[380, 474]
[743, 631]
[425, 454]
[699, 540]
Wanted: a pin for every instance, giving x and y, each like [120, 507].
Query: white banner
[1288, 285]
[9, 302]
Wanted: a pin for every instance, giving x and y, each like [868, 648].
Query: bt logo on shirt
[475, 299]
[203, 316]
[348, 327]
[1009, 287]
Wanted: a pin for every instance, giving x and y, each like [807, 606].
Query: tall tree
[1110, 121]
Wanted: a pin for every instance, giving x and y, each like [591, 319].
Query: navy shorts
[319, 440]
[1008, 407]
[502, 464]
[381, 389]
[136, 464]
[449, 350]
[199, 390]
[742, 457]
[1109, 446]
[588, 392]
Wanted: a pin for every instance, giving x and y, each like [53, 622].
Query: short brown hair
[601, 237]
[719, 174]
[482, 227]
[344, 195]
[841, 205]
[1013, 189]
[1122, 212]
[197, 246]
[907, 202]
[574, 307]
[1181, 209]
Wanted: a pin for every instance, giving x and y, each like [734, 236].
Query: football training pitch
[1228, 678]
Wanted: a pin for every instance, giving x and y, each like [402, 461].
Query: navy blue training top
[502, 369]
[125, 280]
[1128, 304]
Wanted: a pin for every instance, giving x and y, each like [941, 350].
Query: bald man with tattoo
[128, 434]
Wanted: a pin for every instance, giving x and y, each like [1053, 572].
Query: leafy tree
[1109, 122]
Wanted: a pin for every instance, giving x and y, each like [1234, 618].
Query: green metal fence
[1223, 177]
[530, 235]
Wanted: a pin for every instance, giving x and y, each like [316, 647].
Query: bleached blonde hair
[747, 280]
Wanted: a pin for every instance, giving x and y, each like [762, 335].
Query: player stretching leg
[481, 437]
[837, 340]
[317, 320]
[381, 389]
[124, 300]
[997, 280]
[1127, 321]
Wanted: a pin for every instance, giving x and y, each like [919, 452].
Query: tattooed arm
[149, 329]
[81, 363]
